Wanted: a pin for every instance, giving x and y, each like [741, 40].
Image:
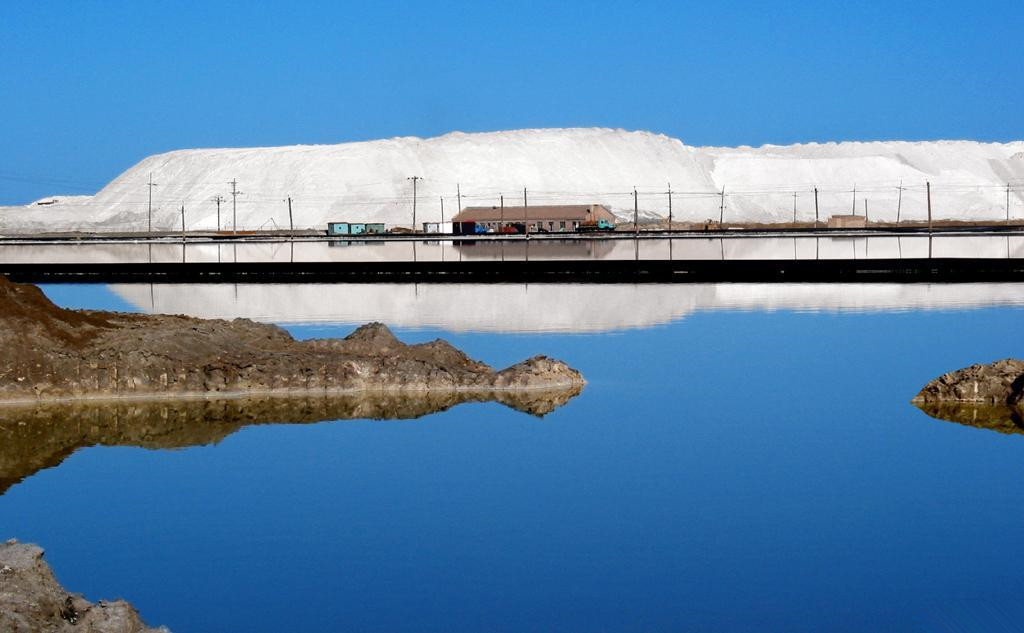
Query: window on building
[562, 225]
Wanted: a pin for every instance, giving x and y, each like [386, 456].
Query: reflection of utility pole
[414, 180]
[151, 185]
[234, 205]
[218, 199]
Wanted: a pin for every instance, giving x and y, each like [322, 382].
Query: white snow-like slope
[369, 181]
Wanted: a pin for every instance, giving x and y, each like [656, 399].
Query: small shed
[337, 228]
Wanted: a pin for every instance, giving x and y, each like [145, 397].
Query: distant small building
[551, 218]
[354, 228]
[847, 222]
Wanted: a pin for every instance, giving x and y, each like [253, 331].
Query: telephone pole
[636, 214]
[218, 199]
[721, 210]
[183, 222]
[865, 211]
[152, 184]
[526, 212]
[458, 194]
[291, 223]
[794, 207]
[899, 203]
[928, 185]
[442, 210]
[234, 205]
[670, 207]
[414, 179]
[815, 207]
[501, 224]
[853, 209]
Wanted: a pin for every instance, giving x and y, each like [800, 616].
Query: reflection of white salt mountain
[731, 248]
[544, 307]
[369, 181]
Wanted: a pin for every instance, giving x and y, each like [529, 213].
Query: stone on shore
[32, 601]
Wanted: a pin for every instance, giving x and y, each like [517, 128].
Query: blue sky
[90, 88]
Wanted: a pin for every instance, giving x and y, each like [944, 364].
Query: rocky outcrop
[42, 435]
[988, 396]
[53, 353]
[32, 601]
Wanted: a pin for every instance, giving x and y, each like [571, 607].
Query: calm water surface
[724, 470]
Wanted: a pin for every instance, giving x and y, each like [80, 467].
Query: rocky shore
[988, 396]
[32, 601]
[55, 354]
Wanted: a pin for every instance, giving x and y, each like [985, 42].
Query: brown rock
[32, 601]
[53, 353]
[988, 396]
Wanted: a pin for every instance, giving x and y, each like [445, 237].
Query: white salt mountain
[370, 181]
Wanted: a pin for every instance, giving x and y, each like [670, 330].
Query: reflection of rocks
[33, 437]
[986, 396]
[32, 601]
[54, 353]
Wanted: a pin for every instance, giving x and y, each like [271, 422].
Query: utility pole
[442, 210]
[865, 211]
[526, 212]
[234, 205]
[458, 194]
[815, 207]
[1007, 203]
[218, 199]
[721, 210]
[794, 207]
[152, 184]
[853, 209]
[670, 208]
[182, 221]
[899, 204]
[414, 180]
[928, 185]
[501, 224]
[291, 223]
[636, 214]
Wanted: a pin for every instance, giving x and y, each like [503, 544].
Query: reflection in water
[917, 246]
[1000, 418]
[543, 307]
[33, 437]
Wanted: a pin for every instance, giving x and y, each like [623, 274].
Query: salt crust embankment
[368, 181]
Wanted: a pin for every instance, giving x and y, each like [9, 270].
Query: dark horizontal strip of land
[540, 271]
